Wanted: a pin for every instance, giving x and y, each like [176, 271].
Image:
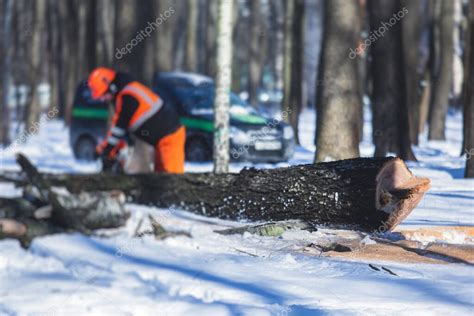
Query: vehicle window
[201, 101]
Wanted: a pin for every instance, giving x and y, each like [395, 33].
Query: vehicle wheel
[197, 150]
[84, 149]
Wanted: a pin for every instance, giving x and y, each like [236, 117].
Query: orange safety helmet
[99, 81]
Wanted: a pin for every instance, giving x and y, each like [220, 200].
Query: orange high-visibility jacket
[140, 111]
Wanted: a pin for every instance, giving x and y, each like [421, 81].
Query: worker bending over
[139, 111]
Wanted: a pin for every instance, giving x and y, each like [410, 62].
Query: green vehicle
[253, 137]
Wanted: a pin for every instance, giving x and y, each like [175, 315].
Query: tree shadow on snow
[269, 296]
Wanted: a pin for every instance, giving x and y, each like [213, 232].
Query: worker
[144, 114]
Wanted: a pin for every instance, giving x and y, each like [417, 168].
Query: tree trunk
[144, 53]
[276, 45]
[458, 42]
[45, 211]
[424, 103]
[223, 83]
[191, 40]
[288, 44]
[105, 32]
[241, 53]
[123, 33]
[53, 55]
[468, 97]
[256, 50]
[165, 41]
[361, 193]
[6, 61]
[424, 66]
[73, 68]
[33, 109]
[210, 41]
[389, 99]
[82, 67]
[91, 34]
[338, 97]
[294, 59]
[411, 28]
[442, 72]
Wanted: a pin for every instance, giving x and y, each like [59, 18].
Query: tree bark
[79, 212]
[411, 28]
[288, 44]
[105, 32]
[164, 37]
[91, 34]
[210, 39]
[389, 98]
[7, 55]
[294, 60]
[191, 36]
[276, 44]
[362, 193]
[33, 110]
[468, 98]
[442, 72]
[223, 83]
[256, 50]
[338, 95]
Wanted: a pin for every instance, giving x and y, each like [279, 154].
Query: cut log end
[398, 192]
[12, 228]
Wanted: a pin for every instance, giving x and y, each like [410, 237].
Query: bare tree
[123, 33]
[256, 48]
[241, 50]
[468, 98]
[223, 83]
[338, 94]
[442, 74]
[105, 32]
[411, 28]
[7, 53]
[136, 60]
[424, 68]
[33, 109]
[276, 51]
[91, 33]
[144, 53]
[294, 57]
[165, 42]
[389, 101]
[191, 36]
[82, 7]
[210, 38]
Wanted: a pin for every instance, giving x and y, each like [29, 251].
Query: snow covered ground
[212, 274]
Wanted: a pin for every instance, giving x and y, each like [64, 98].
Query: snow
[113, 273]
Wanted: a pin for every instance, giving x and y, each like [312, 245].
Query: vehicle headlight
[288, 132]
[239, 136]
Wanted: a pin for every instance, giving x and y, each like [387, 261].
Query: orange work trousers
[169, 152]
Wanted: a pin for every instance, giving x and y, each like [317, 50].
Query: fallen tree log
[44, 210]
[364, 193]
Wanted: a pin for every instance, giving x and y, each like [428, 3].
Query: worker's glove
[109, 164]
[109, 154]
[108, 151]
